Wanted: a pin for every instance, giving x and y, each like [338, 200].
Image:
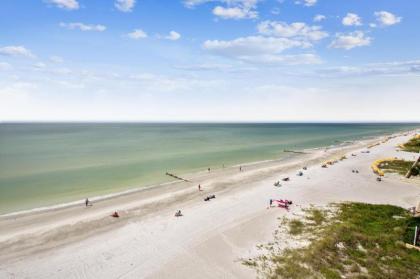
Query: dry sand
[209, 240]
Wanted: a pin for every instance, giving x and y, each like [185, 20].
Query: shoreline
[241, 200]
[323, 153]
[192, 175]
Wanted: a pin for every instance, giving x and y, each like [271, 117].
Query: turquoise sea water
[46, 164]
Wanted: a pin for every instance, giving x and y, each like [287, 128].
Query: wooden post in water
[412, 167]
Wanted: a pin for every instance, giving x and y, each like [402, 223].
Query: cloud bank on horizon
[209, 60]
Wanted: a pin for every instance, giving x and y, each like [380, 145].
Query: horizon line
[204, 122]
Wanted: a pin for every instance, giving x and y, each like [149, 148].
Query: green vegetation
[316, 215]
[413, 145]
[296, 227]
[356, 241]
[399, 166]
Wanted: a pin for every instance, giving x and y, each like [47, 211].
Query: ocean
[43, 164]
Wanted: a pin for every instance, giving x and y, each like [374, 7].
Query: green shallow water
[46, 164]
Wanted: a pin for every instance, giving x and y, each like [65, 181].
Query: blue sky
[209, 60]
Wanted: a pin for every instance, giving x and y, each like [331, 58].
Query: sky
[210, 60]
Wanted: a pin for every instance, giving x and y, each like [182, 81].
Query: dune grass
[357, 241]
[413, 145]
[316, 215]
[296, 227]
[399, 166]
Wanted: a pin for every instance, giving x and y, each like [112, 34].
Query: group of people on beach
[177, 213]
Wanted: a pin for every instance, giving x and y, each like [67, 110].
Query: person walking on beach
[208, 169]
[87, 202]
[271, 202]
[199, 187]
[240, 168]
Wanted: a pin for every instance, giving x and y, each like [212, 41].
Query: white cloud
[386, 18]
[137, 34]
[234, 13]
[16, 51]
[5, 66]
[246, 3]
[352, 20]
[161, 83]
[295, 59]
[350, 40]
[39, 65]
[385, 68]
[396, 68]
[296, 29]
[307, 3]
[83, 27]
[65, 4]
[205, 67]
[209, 67]
[262, 50]
[319, 18]
[253, 45]
[234, 9]
[193, 3]
[266, 48]
[346, 71]
[61, 71]
[173, 36]
[125, 5]
[275, 11]
[310, 2]
[56, 59]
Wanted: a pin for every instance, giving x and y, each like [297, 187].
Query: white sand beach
[209, 240]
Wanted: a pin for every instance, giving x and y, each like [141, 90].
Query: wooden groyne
[177, 177]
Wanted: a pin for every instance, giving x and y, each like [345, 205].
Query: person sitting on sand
[178, 213]
[115, 214]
